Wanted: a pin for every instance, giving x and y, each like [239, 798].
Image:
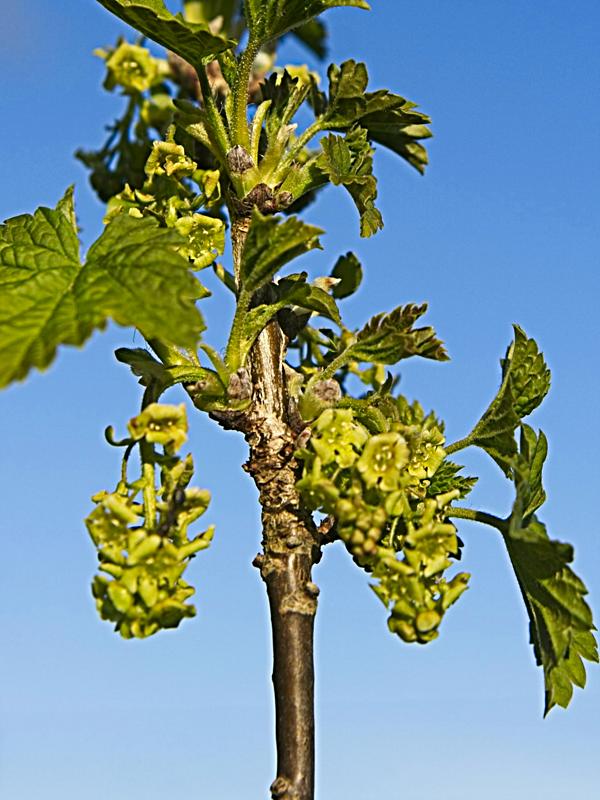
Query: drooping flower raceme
[380, 489]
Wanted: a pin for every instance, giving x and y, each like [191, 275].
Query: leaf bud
[240, 385]
[239, 160]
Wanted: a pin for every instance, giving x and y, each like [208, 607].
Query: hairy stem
[460, 444]
[240, 131]
[290, 548]
[478, 516]
[330, 370]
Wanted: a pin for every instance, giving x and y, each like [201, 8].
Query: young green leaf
[347, 87]
[348, 271]
[495, 431]
[389, 119]
[132, 275]
[525, 383]
[269, 19]
[293, 290]
[446, 479]
[560, 620]
[388, 338]
[150, 371]
[293, 293]
[528, 471]
[349, 161]
[529, 375]
[272, 243]
[143, 365]
[192, 41]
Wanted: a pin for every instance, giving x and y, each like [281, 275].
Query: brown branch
[291, 546]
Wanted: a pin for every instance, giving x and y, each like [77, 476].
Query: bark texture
[291, 546]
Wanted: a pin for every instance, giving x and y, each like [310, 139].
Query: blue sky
[504, 228]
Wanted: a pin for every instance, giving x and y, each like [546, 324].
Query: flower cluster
[143, 544]
[380, 488]
[173, 191]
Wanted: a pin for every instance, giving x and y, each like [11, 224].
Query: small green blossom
[337, 437]
[205, 238]
[161, 424]
[382, 460]
[208, 180]
[130, 66]
[168, 158]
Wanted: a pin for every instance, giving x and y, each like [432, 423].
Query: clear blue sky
[504, 228]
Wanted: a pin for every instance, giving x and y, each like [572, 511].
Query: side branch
[474, 515]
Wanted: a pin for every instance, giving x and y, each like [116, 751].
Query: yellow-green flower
[337, 437]
[205, 238]
[168, 158]
[161, 423]
[382, 459]
[131, 67]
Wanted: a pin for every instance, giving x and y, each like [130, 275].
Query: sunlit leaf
[192, 41]
[132, 275]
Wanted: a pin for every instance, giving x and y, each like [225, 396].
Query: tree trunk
[291, 546]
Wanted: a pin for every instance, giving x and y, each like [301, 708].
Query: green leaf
[133, 272]
[347, 87]
[269, 19]
[529, 375]
[533, 451]
[560, 620]
[388, 338]
[286, 93]
[192, 41]
[313, 35]
[389, 119]
[151, 371]
[271, 243]
[495, 431]
[349, 161]
[525, 382]
[392, 121]
[142, 364]
[292, 291]
[48, 297]
[446, 479]
[348, 271]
